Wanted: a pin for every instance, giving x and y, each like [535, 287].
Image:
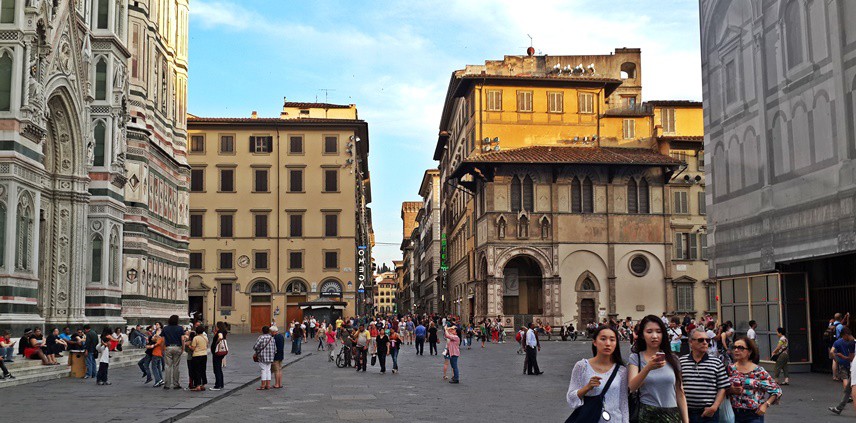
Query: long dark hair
[641, 346]
[616, 353]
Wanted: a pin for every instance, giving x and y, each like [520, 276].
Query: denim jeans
[394, 358]
[156, 365]
[91, 370]
[218, 371]
[453, 360]
[144, 366]
[297, 344]
[696, 417]
[8, 353]
[747, 416]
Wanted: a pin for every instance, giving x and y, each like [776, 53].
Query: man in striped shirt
[704, 380]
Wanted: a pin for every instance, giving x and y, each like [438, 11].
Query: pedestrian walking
[382, 342]
[752, 389]
[361, 339]
[843, 351]
[219, 350]
[675, 335]
[199, 360]
[453, 351]
[533, 346]
[419, 332]
[432, 339]
[654, 371]
[470, 333]
[297, 336]
[394, 348]
[781, 357]
[330, 334]
[173, 336]
[145, 363]
[278, 356]
[90, 345]
[704, 379]
[589, 399]
[264, 351]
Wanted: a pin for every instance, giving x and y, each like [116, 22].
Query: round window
[639, 265]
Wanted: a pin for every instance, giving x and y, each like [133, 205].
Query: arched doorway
[523, 290]
[295, 293]
[587, 312]
[260, 300]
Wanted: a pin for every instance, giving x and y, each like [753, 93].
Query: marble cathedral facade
[93, 174]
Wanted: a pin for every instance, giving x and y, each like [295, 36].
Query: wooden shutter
[331, 181]
[685, 208]
[703, 244]
[296, 225]
[226, 229]
[252, 144]
[331, 225]
[693, 246]
[269, 144]
[261, 225]
[295, 182]
[679, 245]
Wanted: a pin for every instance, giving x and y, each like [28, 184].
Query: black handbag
[633, 401]
[592, 408]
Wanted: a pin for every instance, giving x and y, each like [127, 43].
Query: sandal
[260, 389]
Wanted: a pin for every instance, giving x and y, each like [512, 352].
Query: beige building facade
[278, 215]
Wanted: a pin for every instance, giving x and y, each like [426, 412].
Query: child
[103, 361]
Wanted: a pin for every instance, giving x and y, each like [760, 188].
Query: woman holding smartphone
[590, 376]
[654, 371]
[752, 388]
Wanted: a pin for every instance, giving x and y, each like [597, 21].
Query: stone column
[494, 296]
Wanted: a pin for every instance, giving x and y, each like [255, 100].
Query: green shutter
[101, 80]
[100, 135]
[6, 82]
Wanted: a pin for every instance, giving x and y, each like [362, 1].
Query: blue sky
[393, 59]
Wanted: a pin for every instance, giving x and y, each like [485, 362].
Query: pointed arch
[576, 196]
[632, 196]
[6, 64]
[115, 258]
[97, 253]
[793, 26]
[587, 282]
[24, 231]
[528, 194]
[516, 193]
[100, 135]
[588, 196]
[101, 78]
[644, 196]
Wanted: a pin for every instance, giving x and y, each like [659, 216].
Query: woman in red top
[453, 346]
[34, 349]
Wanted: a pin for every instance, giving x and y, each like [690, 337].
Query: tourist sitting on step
[54, 346]
[34, 350]
[6, 374]
[7, 347]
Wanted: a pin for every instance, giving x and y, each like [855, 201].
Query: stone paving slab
[130, 399]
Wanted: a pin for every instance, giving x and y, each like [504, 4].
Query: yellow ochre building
[278, 214]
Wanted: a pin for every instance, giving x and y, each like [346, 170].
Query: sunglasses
[702, 340]
[740, 348]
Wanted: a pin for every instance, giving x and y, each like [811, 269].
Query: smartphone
[660, 356]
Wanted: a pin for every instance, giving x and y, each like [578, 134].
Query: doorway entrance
[523, 290]
[259, 317]
[194, 306]
[587, 312]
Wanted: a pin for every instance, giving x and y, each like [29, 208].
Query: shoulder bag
[222, 348]
[592, 409]
[633, 398]
[256, 354]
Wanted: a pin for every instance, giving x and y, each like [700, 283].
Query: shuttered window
[197, 180]
[197, 144]
[494, 100]
[295, 180]
[227, 144]
[702, 206]
[196, 225]
[331, 180]
[261, 225]
[629, 129]
[227, 180]
[700, 160]
[684, 297]
[711, 297]
[226, 260]
[555, 102]
[295, 225]
[226, 291]
[331, 225]
[586, 103]
[331, 259]
[260, 182]
[227, 225]
[261, 144]
[667, 119]
[524, 101]
[260, 260]
[680, 253]
[681, 205]
[295, 260]
[702, 239]
[295, 145]
[196, 261]
[331, 144]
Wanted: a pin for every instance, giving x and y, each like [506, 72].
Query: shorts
[676, 348]
[844, 373]
[276, 366]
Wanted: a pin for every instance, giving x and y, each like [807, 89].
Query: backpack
[518, 337]
[829, 334]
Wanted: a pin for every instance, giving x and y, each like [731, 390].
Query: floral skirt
[651, 414]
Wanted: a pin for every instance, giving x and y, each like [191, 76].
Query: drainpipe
[278, 216]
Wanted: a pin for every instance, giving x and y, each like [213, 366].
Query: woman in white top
[590, 376]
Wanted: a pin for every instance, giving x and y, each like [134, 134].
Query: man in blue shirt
[843, 350]
[173, 337]
[420, 332]
[278, 356]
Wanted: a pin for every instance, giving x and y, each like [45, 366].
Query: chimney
[254, 115]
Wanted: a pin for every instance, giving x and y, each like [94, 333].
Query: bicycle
[340, 358]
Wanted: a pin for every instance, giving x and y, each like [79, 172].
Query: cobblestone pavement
[128, 398]
[492, 389]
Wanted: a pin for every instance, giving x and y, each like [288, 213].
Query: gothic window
[6, 81]
[24, 234]
[528, 194]
[793, 34]
[115, 259]
[588, 196]
[545, 228]
[164, 87]
[576, 196]
[644, 200]
[100, 142]
[632, 199]
[102, 14]
[2, 234]
[515, 194]
[101, 79]
[7, 11]
[97, 248]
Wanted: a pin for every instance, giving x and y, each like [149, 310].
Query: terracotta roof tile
[197, 119]
[681, 138]
[674, 103]
[309, 105]
[576, 155]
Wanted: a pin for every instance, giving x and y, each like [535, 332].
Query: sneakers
[158, 384]
[9, 376]
[454, 381]
[834, 410]
[148, 380]
[214, 389]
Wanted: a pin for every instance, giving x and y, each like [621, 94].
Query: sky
[393, 59]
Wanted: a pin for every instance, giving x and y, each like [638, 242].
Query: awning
[330, 306]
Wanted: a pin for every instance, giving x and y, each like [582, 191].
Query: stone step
[30, 371]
